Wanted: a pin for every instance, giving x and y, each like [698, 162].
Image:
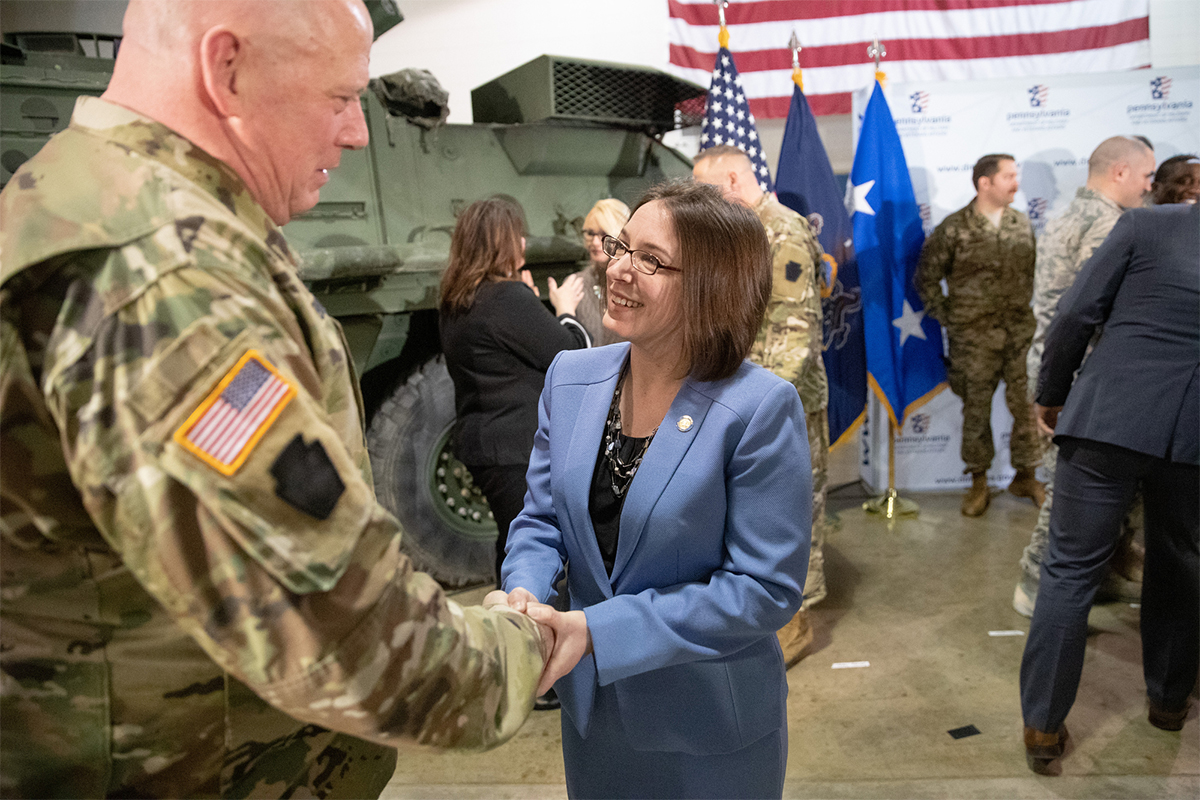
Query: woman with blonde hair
[499, 341]
[606, 218]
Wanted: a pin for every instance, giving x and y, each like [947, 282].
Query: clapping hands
[565, 634]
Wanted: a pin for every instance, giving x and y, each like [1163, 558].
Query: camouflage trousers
[980, 356]
[818, 446]
[1035, 551]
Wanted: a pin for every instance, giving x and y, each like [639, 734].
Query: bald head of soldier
[270, 87]
[1121, 168]
[730, 170]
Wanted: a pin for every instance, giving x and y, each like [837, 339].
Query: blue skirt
[604, 766]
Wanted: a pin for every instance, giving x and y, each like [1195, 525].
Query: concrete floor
[917, 600]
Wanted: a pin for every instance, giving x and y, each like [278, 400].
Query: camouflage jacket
[1065, 244]
[791, 339]
[988, 270]
[187, 518]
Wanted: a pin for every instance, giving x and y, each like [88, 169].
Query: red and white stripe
[223, 430]
[926, 40]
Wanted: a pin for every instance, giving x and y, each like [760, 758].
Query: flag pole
[890, 504]
[723, 35]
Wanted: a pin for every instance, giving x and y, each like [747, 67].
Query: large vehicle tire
[449, 531]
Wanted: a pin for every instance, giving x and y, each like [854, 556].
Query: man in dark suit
[1133, 414]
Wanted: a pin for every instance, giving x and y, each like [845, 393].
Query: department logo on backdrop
[1038, 206]
[926, 212]
[920, 102]
[1161, 108]
[920, 423]
[1038, 95]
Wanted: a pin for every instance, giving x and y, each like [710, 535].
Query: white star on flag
[728, 120]
[860, 198]
[909, 323]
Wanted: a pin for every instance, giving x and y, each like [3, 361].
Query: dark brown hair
[726, 263]
[486, 246]
[1173, 179]
[988, 166]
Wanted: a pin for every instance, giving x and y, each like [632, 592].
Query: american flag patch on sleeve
[224, 429]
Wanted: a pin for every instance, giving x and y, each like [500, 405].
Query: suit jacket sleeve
[767, 529]
[1084, 308]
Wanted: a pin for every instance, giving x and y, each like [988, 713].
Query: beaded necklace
[622, 471]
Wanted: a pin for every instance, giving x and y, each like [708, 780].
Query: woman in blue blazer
[670, 478]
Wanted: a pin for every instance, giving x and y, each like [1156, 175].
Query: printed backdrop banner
[1051, 125]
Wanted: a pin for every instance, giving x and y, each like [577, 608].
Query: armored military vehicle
[557, 134]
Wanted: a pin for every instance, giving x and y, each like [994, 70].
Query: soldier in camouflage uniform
[1119, 174]
[789, 344]
[200, 596]
[985, 253]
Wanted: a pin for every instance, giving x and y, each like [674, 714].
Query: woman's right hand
[565, 298]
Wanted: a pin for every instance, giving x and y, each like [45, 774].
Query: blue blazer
[710, 562]
[1140, 387]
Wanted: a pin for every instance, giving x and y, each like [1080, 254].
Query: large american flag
[727, 117]
[926, 40]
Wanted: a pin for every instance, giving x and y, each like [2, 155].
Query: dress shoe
[1026, 484]
[1161, 717]
[547, 702]
[1043, 748]
[976, 500]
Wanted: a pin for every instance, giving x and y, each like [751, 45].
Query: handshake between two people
[565, 634]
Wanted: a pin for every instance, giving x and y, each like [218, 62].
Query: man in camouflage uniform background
[200, 596]
[985, 253]
[789, 344]
[1120, 170]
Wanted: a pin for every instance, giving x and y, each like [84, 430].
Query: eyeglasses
[642, 261]
[588, 233]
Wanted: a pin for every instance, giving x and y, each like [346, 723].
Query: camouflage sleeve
[790, 341]
[1057, 267]
[303, 595]
[937, 258]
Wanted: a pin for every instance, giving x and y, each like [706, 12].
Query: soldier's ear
[220, 56]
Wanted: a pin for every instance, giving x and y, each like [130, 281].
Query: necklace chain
[622, 471]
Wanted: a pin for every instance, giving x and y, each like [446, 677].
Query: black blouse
[603, 503]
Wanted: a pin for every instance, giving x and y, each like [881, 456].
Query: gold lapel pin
[685, 423]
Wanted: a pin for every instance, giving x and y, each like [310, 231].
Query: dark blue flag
[904, 347]
[727, 117]
[804, 182]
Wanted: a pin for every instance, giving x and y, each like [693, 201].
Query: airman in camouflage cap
[789, 344]
[985, 253]
[1119, 175]
[200, 596]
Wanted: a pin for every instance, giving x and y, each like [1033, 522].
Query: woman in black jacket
[499, 341]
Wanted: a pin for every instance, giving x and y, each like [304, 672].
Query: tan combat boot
[1026, 484]
[976, 500]
[795, 637]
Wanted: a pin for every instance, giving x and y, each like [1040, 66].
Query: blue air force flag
[727, 117]
[904, 347]
[804, 182]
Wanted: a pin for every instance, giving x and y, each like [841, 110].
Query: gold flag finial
[723, 36]
[878, 52]
[794, 46]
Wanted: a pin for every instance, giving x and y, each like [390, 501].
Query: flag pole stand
[890, 505]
